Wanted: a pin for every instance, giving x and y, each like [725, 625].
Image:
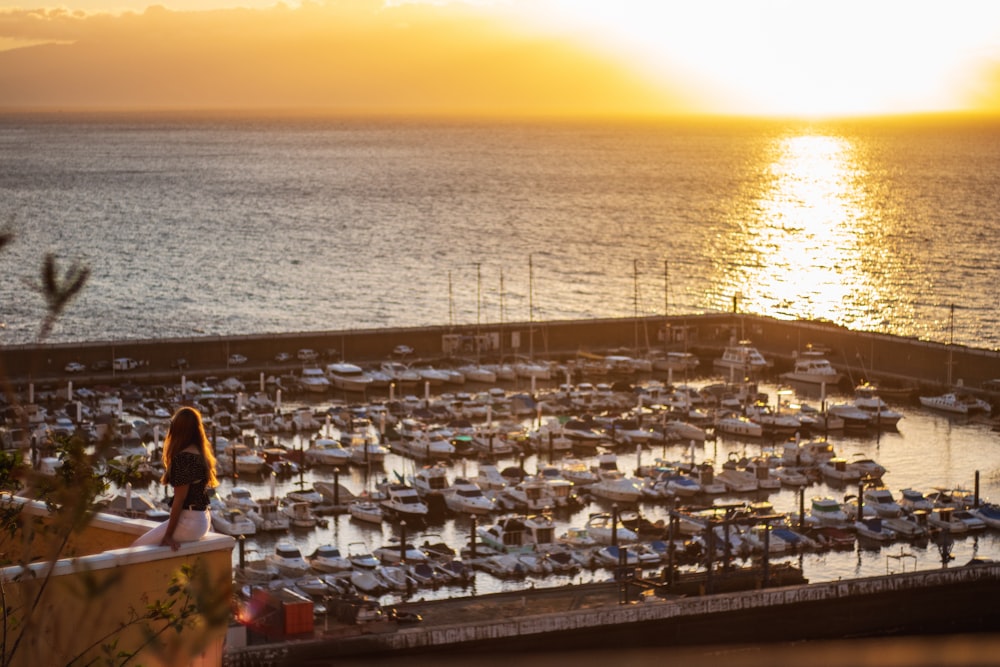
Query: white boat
[825, 511]
[532, 369]
[780, 539]
[477, 373]
[367, 510]
[602, 529]
[348, 377]
[247, 461]
[789, 476]
[464, 497]
[239, 497]
[268, 516]
[615, 486]
[738, 481]
[300, 515]
[812, 368]
[403, 502]
[395, 552]
[880, 499]
[956, 404]
[367, 581]
[504, 566]
[430, 481]
[434, 377]
[952, 520]
[326, 452]
[489, 478]
[231, 521]
[734, 424]
[988, 513]
[400, 373]
[742, 358]
[361, 557]
[912, 500]
[328, 559]
[287, 560]
[363, 450]
[675, 361]
[852, 416]
[433, 445]
[578, 472]
[867, 399]
[509, 535]
[874, 529]
[529, 495]
[838, 470]
[314, 380]
[908, 528]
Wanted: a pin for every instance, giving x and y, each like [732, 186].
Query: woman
[189, 468]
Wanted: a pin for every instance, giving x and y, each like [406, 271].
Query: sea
[205, 225]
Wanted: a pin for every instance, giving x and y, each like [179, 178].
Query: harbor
[924, 449]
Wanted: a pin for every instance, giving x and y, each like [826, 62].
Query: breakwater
[858, 354]
[908, 603]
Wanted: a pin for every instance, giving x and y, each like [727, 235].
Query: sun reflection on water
[812, 236]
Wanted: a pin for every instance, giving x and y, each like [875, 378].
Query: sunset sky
[505, 57]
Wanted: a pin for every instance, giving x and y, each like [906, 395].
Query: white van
[305, 354]
[124, 364]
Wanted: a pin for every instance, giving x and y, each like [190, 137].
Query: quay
[860, 355]
[596, 616]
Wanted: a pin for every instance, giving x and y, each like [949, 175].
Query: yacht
[956, 404]
[812, 368]
[464, 497]
[742, 357]
[348, 377]
[403, 502]
[288, 560]
[314, 380]
[328, 559]
[866, 398]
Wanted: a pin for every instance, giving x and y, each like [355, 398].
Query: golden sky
[505, 57]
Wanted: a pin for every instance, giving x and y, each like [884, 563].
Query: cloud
[348, 57]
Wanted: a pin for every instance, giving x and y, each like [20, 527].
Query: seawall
[859, 354]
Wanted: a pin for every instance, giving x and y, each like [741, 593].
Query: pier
[958, 599]
[859, 355]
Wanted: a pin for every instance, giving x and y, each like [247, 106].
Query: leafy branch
[58, 291]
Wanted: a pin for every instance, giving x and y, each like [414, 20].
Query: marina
[622, 430]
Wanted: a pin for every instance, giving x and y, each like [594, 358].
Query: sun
[804, 59]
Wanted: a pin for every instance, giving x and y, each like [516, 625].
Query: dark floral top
[190, 468]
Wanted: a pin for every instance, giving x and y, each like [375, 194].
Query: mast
[635, 304]
[531, 308]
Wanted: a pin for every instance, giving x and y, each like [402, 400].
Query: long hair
[187, 428]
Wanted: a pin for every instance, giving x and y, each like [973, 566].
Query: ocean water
[198, 225]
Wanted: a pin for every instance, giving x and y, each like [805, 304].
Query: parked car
[282, 357]
[306, 354]
[124, 364]
[75, 367]
[237, 359]
[179, 362]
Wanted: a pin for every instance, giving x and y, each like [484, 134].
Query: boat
[367, 510]
[880, 499]
[431, 480]
[396, 552]
[988, 513]
[874, 529]
[403, 502]
[738, 425]
[231, 521]
[615, 486]
[239, 457]
[300, 515]
[867, 399]
[674, 361]
[959, 404]
[326, 452]
[908, 527]
[367, 581]
[912, 500]
[314, 380]
[361, 557]
[854, 418]
[743, 358]
[813, 368]
[464, 497]
[287, 560]
[789, 476]
[737, 481]
[328, 559]
[268, 516]
[348, 377]
[509, 535]
[399, 373]
[954, 521]
[529, 495]
[839, 470]
[601, 527]
[825, 511]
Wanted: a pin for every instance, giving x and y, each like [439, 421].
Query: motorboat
[477, 373]
[400, 373]
[839, 470]
[426, 445]
[268, 516]
[364, 450]
[489, 478]
[812, 368]
[854, 418]
[773, 421]
[912, 500]
[615, 486]
[529, 495]
[509, 535]
[239, 497]
[959, 404]
[789, 476]
[880, 499]
[231, 521]
[675, 361]
[348, 377]
[779, 539]
[287, 560]
[464, 497]
[328, 559]
[361, 557]
[825, 511]
[367, 581]
[866, 398]
[952, 520]
[326, 452]
[908, 527]
[239, 457]
[396, 552]
[601, 527]
[300, 515]
[505, 566]
[578, 472]
[737, 480]
[742, 358]
[988, 513]
[874, 529]
[403, 502]
[434, 377]
[431, 480]
[313, 380]
[367, 510]
[738, 425]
